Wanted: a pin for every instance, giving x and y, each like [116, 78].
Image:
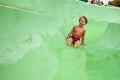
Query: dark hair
[84, 18]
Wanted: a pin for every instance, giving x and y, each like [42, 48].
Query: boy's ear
[79, 19]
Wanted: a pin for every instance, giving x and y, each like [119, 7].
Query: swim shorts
[74, 39]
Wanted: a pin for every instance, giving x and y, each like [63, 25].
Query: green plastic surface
[33, 46]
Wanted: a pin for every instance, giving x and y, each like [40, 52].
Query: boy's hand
[83, 44]
[66, 39]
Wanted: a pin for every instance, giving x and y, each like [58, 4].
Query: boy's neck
[80, 26]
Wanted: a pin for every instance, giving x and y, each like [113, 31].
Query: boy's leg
[77, 43]
[70, 41]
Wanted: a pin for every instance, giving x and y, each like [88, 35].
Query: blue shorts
[74, 39]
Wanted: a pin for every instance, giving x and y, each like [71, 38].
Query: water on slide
[33, 46]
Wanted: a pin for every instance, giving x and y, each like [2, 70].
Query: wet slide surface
[33, 46]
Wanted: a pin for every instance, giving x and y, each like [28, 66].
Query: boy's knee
[69, 41]
[76, 44]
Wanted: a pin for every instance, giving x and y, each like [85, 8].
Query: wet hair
[84, 18]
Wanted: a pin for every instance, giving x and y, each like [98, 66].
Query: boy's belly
[77, 36]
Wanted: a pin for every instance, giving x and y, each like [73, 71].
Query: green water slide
[33, 46]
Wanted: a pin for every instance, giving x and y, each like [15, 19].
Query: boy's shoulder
[75, 25]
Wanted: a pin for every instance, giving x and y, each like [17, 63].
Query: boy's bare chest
[79, 30]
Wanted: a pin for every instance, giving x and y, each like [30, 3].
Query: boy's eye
[82, 21]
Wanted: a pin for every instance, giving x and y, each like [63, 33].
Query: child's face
[82, 21]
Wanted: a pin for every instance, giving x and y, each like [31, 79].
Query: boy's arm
[70, 33]
[83, 38]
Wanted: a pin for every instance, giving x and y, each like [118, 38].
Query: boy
[77, 32]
